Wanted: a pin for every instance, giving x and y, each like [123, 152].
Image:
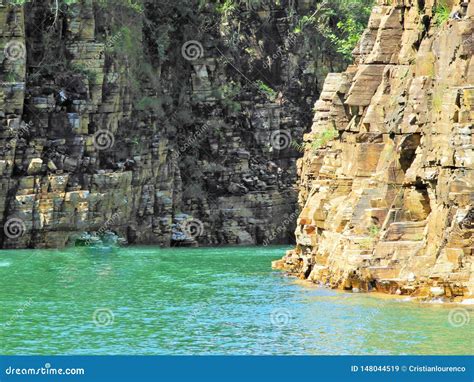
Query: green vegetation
[340, 22]
[267, 90]
[82, 69]
[17, 2]
[227, 7]
[351, 32]
[304, 21]
[228, 94]
[441, 12]
[149, 104]
[134, 5]
[374, 230]
[323, 138]
[12, 77]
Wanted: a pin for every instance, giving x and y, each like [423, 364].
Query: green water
[149, 300]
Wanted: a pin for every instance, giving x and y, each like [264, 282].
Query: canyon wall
[386, 181]
[152, 121]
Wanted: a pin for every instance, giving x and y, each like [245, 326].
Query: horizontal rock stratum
[386, 181]
[104, 128]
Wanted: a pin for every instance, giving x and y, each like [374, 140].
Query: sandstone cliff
[143, 120]
[386, 182]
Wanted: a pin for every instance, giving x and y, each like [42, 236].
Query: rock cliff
[386, 181]
[153, 122]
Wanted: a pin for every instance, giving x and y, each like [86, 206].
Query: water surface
[148, 300]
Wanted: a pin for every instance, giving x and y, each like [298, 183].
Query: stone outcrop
[386, 181]
[97, 135]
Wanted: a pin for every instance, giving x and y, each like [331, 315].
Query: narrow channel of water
[149, 300]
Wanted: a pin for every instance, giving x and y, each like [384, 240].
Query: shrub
[374, 230]
[441, 13]
[267, 90]
[323, 138]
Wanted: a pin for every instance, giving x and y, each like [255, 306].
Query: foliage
[227, 7]
[323, 138]
[351, 32]
[441, 13]
[228, 94]
[374, 230]
[133, 5]
[149, 104]
[82, 69]
[11, 77]
[340, 22]
[267, 90]
[304, 21]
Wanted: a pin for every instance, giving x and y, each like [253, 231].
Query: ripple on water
[205, 301]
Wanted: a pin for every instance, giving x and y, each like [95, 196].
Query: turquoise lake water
[148, 300]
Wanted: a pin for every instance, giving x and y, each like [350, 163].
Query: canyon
[186, 124]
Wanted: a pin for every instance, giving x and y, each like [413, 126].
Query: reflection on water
[147, 300]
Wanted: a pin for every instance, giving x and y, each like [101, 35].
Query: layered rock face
[96, 136]
[386, 182]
